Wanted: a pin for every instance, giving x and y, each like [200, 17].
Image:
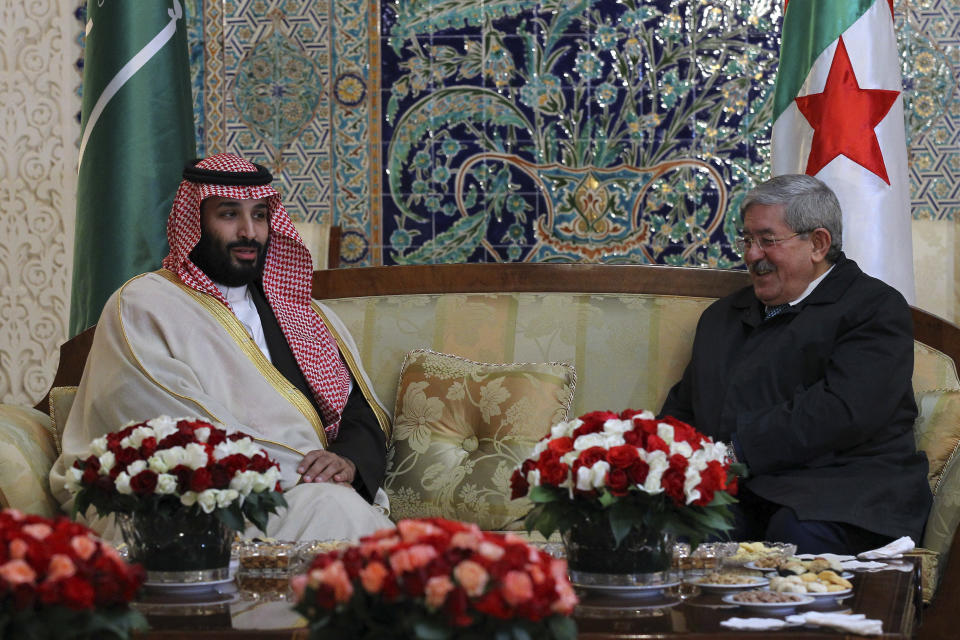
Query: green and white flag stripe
[849, 142]
[137, 133]
[812, 27]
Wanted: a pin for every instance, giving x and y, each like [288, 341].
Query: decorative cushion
[61, 400]
[461, 428]
[937, 429]
[27, 452]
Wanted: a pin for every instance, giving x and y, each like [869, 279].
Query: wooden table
[252, 608]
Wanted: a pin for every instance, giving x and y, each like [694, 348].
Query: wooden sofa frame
[940, 618]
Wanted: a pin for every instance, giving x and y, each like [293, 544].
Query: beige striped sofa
[626, 331]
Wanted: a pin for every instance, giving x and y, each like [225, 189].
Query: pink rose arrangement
[57, 579]
[436, 578]
[167, 464]
[632, 469]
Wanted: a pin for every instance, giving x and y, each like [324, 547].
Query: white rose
[169, 458]
[265, 481]
[593, 477]
[166, 483]
[98, 447]
[107, 460]
[207, 500]
[243, 482]
[646, 414]
[565, 429]
[681, 447]
[195, 456]
[158, 463]
[225, 497]
[72, 479]
[122, 483]
[570, 457]
[657, 462]
[586, 441]
[136, 467]
[612, 440]
[617, 426]
[665, 431]
[533, 477]
[202, 434]
[189, 498]
[163, 426]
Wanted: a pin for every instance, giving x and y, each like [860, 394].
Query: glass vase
[643, 557]
[178, 547]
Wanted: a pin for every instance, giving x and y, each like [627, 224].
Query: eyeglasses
[745, 243]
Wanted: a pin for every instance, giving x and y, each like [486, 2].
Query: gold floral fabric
[628, 350]
[460, 429]
[26, 454]
[937, 429]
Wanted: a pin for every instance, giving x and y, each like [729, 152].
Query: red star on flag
[844, 117]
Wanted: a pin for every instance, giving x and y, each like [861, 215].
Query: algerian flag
[838, 115]
[137, 133]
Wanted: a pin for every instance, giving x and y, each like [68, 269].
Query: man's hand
[325, 466]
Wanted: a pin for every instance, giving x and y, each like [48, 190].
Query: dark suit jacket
[819, 399]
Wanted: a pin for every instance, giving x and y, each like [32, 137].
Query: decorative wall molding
[38, 132]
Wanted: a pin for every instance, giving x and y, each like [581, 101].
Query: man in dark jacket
[808, 374]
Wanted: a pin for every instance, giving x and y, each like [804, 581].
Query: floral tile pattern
[531, 130]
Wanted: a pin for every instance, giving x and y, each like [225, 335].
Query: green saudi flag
[136, 134]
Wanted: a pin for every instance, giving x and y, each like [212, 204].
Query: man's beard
[216, 261]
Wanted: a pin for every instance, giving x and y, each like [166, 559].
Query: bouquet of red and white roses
[58, 580]
[435, 578]
[640, 471]
[166, 464]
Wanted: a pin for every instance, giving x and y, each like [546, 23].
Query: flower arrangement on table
[57, 579]
[628, 473]
[167, 464]
[436, 578]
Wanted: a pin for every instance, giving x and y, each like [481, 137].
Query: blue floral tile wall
[558, 130]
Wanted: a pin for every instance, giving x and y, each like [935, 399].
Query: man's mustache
[761, 267]
[244, 243]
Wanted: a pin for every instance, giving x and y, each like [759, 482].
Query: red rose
[638, 472]
[217, 436]
[144, 483]
[634, 438]
[201, 480]
[183, 474]
[560, 445]
[656, 443]
[622, 456]
[493, 604]
[235, 463]
[627, 414]
[126, 455]
[518, 485]
[220, 477]
[89, 475]
[553, 472]
[260, 463]
[147, 447]
[77, 593]
[618, 482]
[589, 457]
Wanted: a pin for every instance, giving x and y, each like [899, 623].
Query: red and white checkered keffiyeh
[287, 278]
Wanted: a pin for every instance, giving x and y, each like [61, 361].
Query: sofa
[477, 360]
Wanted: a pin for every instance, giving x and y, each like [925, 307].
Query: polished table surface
[260, 607]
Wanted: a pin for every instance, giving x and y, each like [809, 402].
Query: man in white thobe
[227, 332]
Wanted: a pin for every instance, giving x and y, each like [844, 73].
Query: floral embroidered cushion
[27, 452]
[937, 429]
[461, 428]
